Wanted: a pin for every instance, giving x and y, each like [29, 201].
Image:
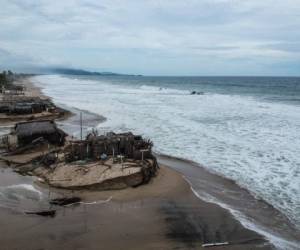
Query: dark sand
[164, 214]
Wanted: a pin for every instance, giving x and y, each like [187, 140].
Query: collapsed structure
[23, 105]
[16, 104]
[126, 144]
[111, 161]
[36, 146]
[27, 132]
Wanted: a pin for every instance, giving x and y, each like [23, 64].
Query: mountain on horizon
[71, 71]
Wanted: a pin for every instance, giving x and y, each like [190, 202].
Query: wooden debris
[47, 213]
[215, 244]
[65, 201]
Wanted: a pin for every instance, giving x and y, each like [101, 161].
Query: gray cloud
[10, 60]
[283, 46]
[215, 48]
[109, 33]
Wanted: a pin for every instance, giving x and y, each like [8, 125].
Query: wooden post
[121, 156]
[143, 150]
[81, 125]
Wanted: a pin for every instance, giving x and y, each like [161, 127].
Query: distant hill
[70, 71]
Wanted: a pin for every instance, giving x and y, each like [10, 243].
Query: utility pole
[81, 126]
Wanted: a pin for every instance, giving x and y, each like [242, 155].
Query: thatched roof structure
[24, 129]
[26, 132]
[25, 105]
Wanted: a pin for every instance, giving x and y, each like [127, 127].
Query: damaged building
[126, 144]
[21, 106]
[25, 133]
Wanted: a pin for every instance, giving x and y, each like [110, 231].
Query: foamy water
[17, 196]
[242, 137]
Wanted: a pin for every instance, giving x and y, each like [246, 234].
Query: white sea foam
[276, 240]
[12, 196]
[20, 187]
[4, 130]
[253, 142]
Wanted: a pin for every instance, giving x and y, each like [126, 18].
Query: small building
[27, 132]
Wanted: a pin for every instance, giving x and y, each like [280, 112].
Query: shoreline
[220, 209]
[254, 213]
[163, 214]
[70, 122]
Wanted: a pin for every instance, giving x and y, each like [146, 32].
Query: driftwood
[47, 160]
[39, 142]
[48, 213]
[65, 201]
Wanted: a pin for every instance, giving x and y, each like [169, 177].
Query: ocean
[246, 129]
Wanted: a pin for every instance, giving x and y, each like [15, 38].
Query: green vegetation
[6, 78]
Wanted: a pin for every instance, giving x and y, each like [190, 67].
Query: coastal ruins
[37, 146]
[111, 161]
[18, 104]
[25, 133]
[15, 108]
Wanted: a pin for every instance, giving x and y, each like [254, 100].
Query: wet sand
[254, 213]
[164, 214]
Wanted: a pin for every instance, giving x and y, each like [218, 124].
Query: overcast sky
[191, 37]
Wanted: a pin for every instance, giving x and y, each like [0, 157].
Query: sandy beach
[164, 214]
[149, 125]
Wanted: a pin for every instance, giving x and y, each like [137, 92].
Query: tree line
[6, 78]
